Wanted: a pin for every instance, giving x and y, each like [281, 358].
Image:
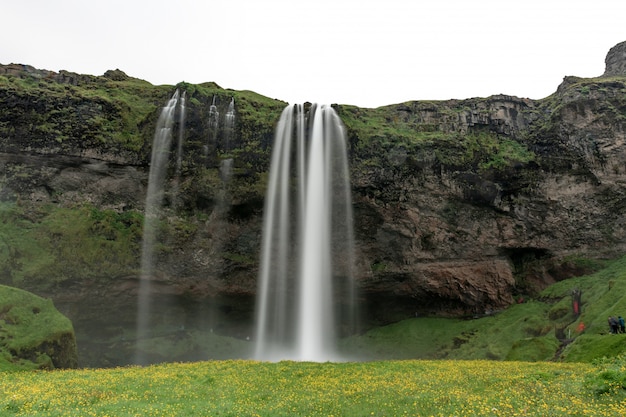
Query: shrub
[610, 378]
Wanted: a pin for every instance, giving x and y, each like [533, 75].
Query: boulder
[33, 333]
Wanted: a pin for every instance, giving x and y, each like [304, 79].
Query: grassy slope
[603, 295]
[91, 243]
[525, 331]
[27, 322]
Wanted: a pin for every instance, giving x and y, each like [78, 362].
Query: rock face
[460, 206]
[616, 61]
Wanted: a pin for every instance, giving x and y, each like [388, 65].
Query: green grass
[522, 332]
[603, 295]
[100, 111]
[391, 388]
[507, 385]
[50, 245]
[542, 329]
[382, 137]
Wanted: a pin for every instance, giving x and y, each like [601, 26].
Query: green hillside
[542, 329]
[33, 334]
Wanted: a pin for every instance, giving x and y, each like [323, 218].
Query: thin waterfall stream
[154, 200]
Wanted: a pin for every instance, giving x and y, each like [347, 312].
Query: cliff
[460, 206]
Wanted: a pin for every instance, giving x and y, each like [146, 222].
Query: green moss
[585, 263]
[483, 151]
[32, 332]
[384, 136]
[101, 111]
[46, 247]
[505, 153]
[522, 332]
[239, 258]
[378, 267]
[561, 309]
[534, 348]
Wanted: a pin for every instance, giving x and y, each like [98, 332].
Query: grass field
[383, 388]
[588, 378]
[581, 383]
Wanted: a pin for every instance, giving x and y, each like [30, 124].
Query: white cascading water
[213, 127]
[306, 288]
[214, 117]
[182, 113]
[229, 123]
[181, 134]
[226, 165]
[154, 200]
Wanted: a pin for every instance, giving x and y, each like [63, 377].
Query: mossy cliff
[460, 205]
[33, 334]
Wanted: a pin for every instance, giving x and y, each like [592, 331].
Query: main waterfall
[306, 290]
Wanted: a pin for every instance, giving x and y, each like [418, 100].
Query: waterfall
[229, 124]
[230, 113]
[154, 200]
[182, 112]
[306, 289]
[214, 118]
[213, 126]
[226, 165]
[181, 131]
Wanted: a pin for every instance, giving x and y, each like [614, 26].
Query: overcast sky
[362, 52]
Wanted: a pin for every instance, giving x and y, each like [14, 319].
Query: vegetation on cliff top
[121, 112]
[576, 93]
[101, 112]
[383, 137]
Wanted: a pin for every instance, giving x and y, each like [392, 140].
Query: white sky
[362, 52]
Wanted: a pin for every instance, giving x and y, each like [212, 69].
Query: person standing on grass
[622, 324]
[613, 324]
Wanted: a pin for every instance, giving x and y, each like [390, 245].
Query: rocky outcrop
[616, 61]
[61, 77]
[500, 113]
[33, 334]
[460, 206]
[538, 216]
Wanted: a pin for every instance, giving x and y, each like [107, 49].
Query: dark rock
[616, 61]
[116, 75]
